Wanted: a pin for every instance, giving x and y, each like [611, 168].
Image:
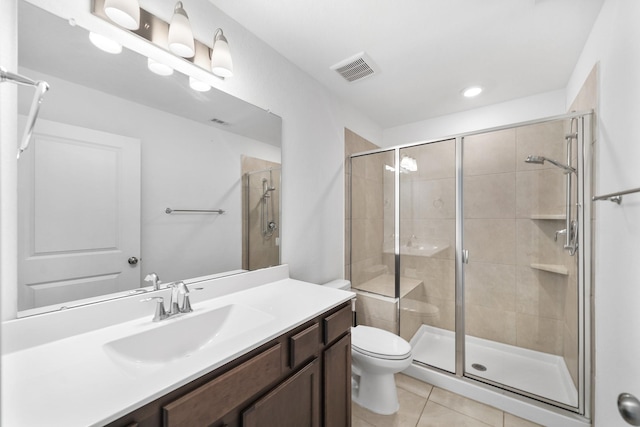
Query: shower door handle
[465, 256]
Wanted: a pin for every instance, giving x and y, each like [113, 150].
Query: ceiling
[426, 51]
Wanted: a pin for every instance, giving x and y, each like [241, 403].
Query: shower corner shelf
[549, 216]
[551, 268]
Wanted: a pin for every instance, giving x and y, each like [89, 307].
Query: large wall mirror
[116, 148]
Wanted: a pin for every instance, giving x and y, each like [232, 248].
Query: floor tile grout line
[463, 414]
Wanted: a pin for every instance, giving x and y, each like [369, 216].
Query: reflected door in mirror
[79, 215]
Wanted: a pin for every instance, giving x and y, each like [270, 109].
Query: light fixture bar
[150, 25]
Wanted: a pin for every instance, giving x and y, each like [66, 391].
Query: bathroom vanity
[301, 378]
[254, 352]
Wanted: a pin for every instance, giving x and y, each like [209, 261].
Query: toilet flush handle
[465, 256]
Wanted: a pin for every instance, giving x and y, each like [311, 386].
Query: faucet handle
[154, 279]
[185, 307]
[160, 313]
[563, 231]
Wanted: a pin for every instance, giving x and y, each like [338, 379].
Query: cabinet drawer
[210, 402]
[304, 345]
[337, 324]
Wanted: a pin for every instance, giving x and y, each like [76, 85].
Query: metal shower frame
[583, 208]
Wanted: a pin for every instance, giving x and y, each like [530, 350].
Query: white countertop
[73, 382]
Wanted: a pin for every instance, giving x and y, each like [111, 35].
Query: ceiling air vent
[356, 68]
[220, 122]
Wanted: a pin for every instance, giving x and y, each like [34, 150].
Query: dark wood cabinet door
[337, 383]
[294, 403]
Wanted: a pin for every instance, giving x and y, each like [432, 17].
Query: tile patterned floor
[423, 405]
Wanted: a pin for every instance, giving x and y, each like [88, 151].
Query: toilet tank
[343, 284]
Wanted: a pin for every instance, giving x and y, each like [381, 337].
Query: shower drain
[479, 367]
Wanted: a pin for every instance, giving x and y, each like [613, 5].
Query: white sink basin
[179, 337]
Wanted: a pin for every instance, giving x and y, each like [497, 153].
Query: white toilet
[376, 355]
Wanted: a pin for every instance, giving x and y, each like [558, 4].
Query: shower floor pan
[532, 371]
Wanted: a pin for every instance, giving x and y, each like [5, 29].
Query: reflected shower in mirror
[114, 147]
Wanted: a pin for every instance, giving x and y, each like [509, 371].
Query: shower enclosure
[476, 249]
[261, 214]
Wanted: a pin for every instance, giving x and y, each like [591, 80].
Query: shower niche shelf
[549, 216]
[551, 268]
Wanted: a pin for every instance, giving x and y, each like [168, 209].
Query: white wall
[8, 166]
[313, 137]
[615, 43]
[505, 113]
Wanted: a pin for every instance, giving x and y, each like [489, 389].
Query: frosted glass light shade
[105, 43]
[125, 13]
[221, 62]
[198, 85]
[180, 34]
[159, 68]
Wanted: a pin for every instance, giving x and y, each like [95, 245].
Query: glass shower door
[427, 251]
[520, 284]
[372, 224]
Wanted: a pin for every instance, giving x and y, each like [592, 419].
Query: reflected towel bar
[217, 211]
[615, 197]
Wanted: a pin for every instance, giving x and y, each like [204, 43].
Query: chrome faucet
[175, 308]
[154, 279]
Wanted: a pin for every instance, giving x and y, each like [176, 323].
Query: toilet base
[377, 393]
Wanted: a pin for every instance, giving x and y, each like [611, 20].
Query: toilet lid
[379, 343]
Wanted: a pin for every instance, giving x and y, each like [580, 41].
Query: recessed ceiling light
[105, 43]
[471, 91]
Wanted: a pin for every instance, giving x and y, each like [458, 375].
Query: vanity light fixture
[159, 68]
[176, 36]
[180, 34]
[105, 43]
[221, 62]
[198, 85]
[125, 13]
[472, 91]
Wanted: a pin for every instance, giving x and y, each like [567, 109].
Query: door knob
[132, 260]
[629, 408]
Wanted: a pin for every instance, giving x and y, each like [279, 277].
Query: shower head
[539, 160]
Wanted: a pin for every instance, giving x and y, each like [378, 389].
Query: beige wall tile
[540, 333]
[491, 240]
[536, 244]
[544, 139]
[490, 196]
[428, 199]
[540, 192]
[491, 286]
[570, 354]
[490, 153]
[491, 324]
[540, 293]
[376, 307]
[435, 161]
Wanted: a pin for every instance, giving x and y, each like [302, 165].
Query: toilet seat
[379, 343]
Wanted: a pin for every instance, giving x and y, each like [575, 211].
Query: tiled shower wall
[507, 299]
[366, 183]
[259, 251]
